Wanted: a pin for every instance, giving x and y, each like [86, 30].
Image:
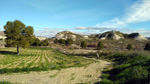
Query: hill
[69, 35]
[116, 35]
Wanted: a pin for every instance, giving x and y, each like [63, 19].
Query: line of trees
[37, 42]
[63, 41]
[19, 35]
[100, 45]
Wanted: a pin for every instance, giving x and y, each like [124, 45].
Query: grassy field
[129, 67]
[37, 59]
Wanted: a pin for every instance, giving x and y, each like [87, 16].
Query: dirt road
[74, 75]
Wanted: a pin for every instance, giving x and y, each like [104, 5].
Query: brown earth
[88, 74]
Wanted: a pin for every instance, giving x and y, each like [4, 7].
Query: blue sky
[49, 17]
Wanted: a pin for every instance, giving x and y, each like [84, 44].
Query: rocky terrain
[69, 35]
[115, 35]
[2, 35]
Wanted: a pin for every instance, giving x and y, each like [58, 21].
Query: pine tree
[18, 35]
[100, 46]
[69, 41]
[83, 44]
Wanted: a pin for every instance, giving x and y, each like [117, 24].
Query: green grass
[37, 59]
[129, 68]
[5, 82]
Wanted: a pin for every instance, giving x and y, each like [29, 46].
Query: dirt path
[88, 74]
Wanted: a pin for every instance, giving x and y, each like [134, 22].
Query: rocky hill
[111, 35]
[69, 35]
[137, 36]
[2, 35]
[116, 35]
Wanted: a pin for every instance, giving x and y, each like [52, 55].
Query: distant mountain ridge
[116, 35]
[119, 35]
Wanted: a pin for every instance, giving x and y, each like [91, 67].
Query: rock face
[112, 35]
[69, 35]
[2, 35]
[116, 35]
[41, 38]
[137, 36]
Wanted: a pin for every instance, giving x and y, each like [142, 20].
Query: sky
[85, 17]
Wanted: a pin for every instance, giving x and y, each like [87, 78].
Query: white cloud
[138, 12]
[48, 32]
[143, 32]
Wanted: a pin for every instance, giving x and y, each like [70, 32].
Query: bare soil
[89, 74]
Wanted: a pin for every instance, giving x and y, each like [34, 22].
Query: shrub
[45, 42]
[83, 44]
[106, 81]
[105, 76]
[100, 46]
[147, 46]
[62, 41]
[36, 42]
[69, 41]
[129, 47]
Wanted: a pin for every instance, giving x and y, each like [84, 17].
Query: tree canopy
[83, 44]
[100, 45]
[18, 34]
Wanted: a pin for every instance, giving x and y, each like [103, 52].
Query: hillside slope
[67, 34]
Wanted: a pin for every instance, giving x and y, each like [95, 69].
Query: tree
[147, 46]
[18, 35]
[100, 46]
[129, 47]
[62, 41]
[36, 42]
[83, 44]
[69, 41]
[44, 43]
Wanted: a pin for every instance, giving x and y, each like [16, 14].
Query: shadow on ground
[8, 52]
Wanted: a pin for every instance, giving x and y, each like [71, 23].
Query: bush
[129, 47]
[69, 41]
[100, 46]
[106, 81]
[105, 76]
[62, 41]
[45, 43]
[83, 44]
[36, 42]
[147, 46]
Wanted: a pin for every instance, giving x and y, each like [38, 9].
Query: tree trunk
[17, 50]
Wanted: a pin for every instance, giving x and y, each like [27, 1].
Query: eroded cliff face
[137, 36]
[116, 35]
[112, 35]
[69, 35]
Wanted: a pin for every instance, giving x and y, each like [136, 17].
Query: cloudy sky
[49, 17]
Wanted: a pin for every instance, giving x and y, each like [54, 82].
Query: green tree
[44, 43]
[36, 42]
[147, 46]
[83, 44]
[100, 45]
[18, 35]
[129, 47]
[69, 41]
[62, 41]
